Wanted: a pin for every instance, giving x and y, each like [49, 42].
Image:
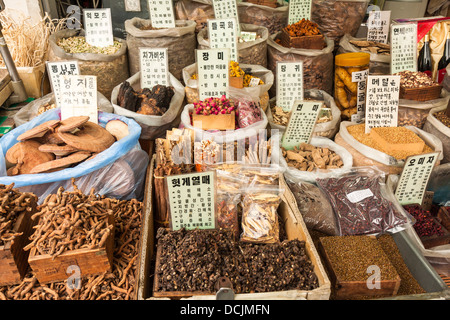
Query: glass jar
[350, 74]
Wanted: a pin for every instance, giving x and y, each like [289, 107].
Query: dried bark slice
[62, 162]
[70, 124]
[38, 131]
[117, 128]
[91, 137]
[57, 150]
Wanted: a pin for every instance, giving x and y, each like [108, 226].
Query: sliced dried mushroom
[91, 137]
[57, 150]
[61, 163]
[38, 131]
[72, 123]
[27, 157]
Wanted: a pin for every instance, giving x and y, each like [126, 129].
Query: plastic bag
[338, 17]
[314, 206]
[362, 203]
[366, 156]
[116, 151]
[325, 129]
[31, 110]
[259, 214]
[379, 64]
[414, 113]
[317, 64]
[439, 184]
[274, 19]
[153, 126]
[110, 69]
[197, 10]
[440, 130]
[441, 252]
[252, 52]
[248, 110]
[180, 42]
[311, 176]
[258, 71]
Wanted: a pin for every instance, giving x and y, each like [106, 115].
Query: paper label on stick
[360, 77]
[378, 26]
[79, 97]
[98, 27]
[298, 10]
[224, 9]
[413, 181]
[154, 67]
[403, 47]
[301, 123]
[223, 34]
[213, 74]
[161, 13]
[289, 84]
[56, 70]
[382, 101]
[191, 199]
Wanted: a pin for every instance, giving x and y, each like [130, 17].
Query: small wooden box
[90, 261]
[13, 259]
[215, 122]
[267, 3]
[316, 42]
[345, 289]
[421, 94]
[236, 82]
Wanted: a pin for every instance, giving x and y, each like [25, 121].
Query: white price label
[378, 26]
[224, 9]
[98, 27]
[382, 101]
[154, 67]
[191, 199]
[213, 74]
[289, 84]
[413, 181]
[403, 47]
[301, 123]
[56, 70]
[248, 36]
[161, 13]
[79, 97]
[223, 34]
[298, 10]
[254, 82]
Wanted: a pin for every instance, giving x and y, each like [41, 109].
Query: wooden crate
[13, 259]
[236, 82]
[421, 94]
[295, 229]
[267, 3]
[90, 261]
[316, 42]
[215, 121]
[347, 289]
[436, 240]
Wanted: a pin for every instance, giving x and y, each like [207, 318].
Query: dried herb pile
[195, 260]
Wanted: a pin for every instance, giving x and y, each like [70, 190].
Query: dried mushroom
[72, 123]
[57, 150]
[26, 155]
[117, 128]
[61, 163]
[91, 137]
